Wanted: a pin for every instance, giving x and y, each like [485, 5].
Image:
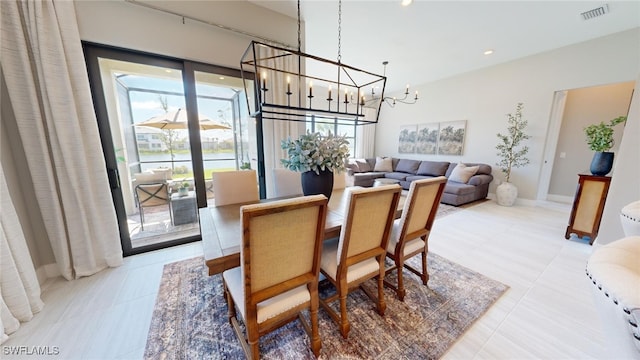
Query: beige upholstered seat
[154, 176]
[286, 182]
[359, 253]
[614, 270]
[149, 195]
[235, 187]
[410, 233]
[279, 268]
[339, 180]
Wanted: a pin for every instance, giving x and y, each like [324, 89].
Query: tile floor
[548, 313]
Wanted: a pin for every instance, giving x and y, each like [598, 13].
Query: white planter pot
[506, 194]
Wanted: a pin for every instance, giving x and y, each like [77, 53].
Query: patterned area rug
[190, 318]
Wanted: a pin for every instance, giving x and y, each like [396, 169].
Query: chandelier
[393, 100]
[285, 84]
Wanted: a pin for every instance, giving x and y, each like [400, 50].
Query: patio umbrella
[177, 120]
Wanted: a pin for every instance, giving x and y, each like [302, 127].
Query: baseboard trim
[519, 201]
[560, 198]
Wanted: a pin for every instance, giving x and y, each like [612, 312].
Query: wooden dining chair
[150, 195]
[286, 182]
[410, 234]
[235, 187]
[359, 253]
[278, 275]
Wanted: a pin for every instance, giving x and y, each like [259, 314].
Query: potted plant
[600, 140]
[183, 190]
[317, 157]
[512, 155]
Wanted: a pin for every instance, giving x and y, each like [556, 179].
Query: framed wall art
[407, 139]
[427, 139]
[451, 137]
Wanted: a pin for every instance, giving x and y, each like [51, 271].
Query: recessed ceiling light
[221, 78]
[406, 2]
[167, 70]
[488, 52]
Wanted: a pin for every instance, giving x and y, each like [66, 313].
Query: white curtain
[19, 288]
[366, 137]
[43, 64]
[274, 131]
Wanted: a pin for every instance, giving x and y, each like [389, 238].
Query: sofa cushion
[433, 168]
[363, 165]
[418, 177]
[408, 166]
[397, 175]
[383, 164]
[462, 173]
[458, 188]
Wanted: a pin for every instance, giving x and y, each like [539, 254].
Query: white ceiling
[430, 40]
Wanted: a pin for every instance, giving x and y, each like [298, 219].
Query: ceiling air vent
[594, 13]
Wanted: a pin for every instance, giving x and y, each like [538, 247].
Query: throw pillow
[353, 166]
[383, 164]
[462, 173]
[363, 165]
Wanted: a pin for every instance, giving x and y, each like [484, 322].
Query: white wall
[483, 97]
[134, 27]
[625, 181]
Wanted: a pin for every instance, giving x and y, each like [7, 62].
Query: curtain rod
[219, 26]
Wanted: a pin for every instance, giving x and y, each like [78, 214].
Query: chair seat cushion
[269, 308]
[329, 263]
[409, 247]
[615, 267]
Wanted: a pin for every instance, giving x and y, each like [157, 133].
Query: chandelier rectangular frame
[284, 89]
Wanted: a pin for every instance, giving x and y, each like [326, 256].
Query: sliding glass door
[165, 125]
[222, 98]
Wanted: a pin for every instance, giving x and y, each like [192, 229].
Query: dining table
[222, 234]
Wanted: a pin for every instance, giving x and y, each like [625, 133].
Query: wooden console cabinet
[588, 204]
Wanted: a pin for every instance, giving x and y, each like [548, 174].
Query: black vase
[602, 163]
[314, 184]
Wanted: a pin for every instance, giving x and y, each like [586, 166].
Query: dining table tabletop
[222, 236]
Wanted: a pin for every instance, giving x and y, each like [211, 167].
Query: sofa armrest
[480, 179]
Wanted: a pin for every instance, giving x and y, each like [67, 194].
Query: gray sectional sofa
[360, 172]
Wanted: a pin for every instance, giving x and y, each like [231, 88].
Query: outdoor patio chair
[150, 195]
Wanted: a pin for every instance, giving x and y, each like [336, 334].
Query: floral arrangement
[315, 152]
[512, 154]
[600, 136]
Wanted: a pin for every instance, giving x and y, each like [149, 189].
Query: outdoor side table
[184, 208]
